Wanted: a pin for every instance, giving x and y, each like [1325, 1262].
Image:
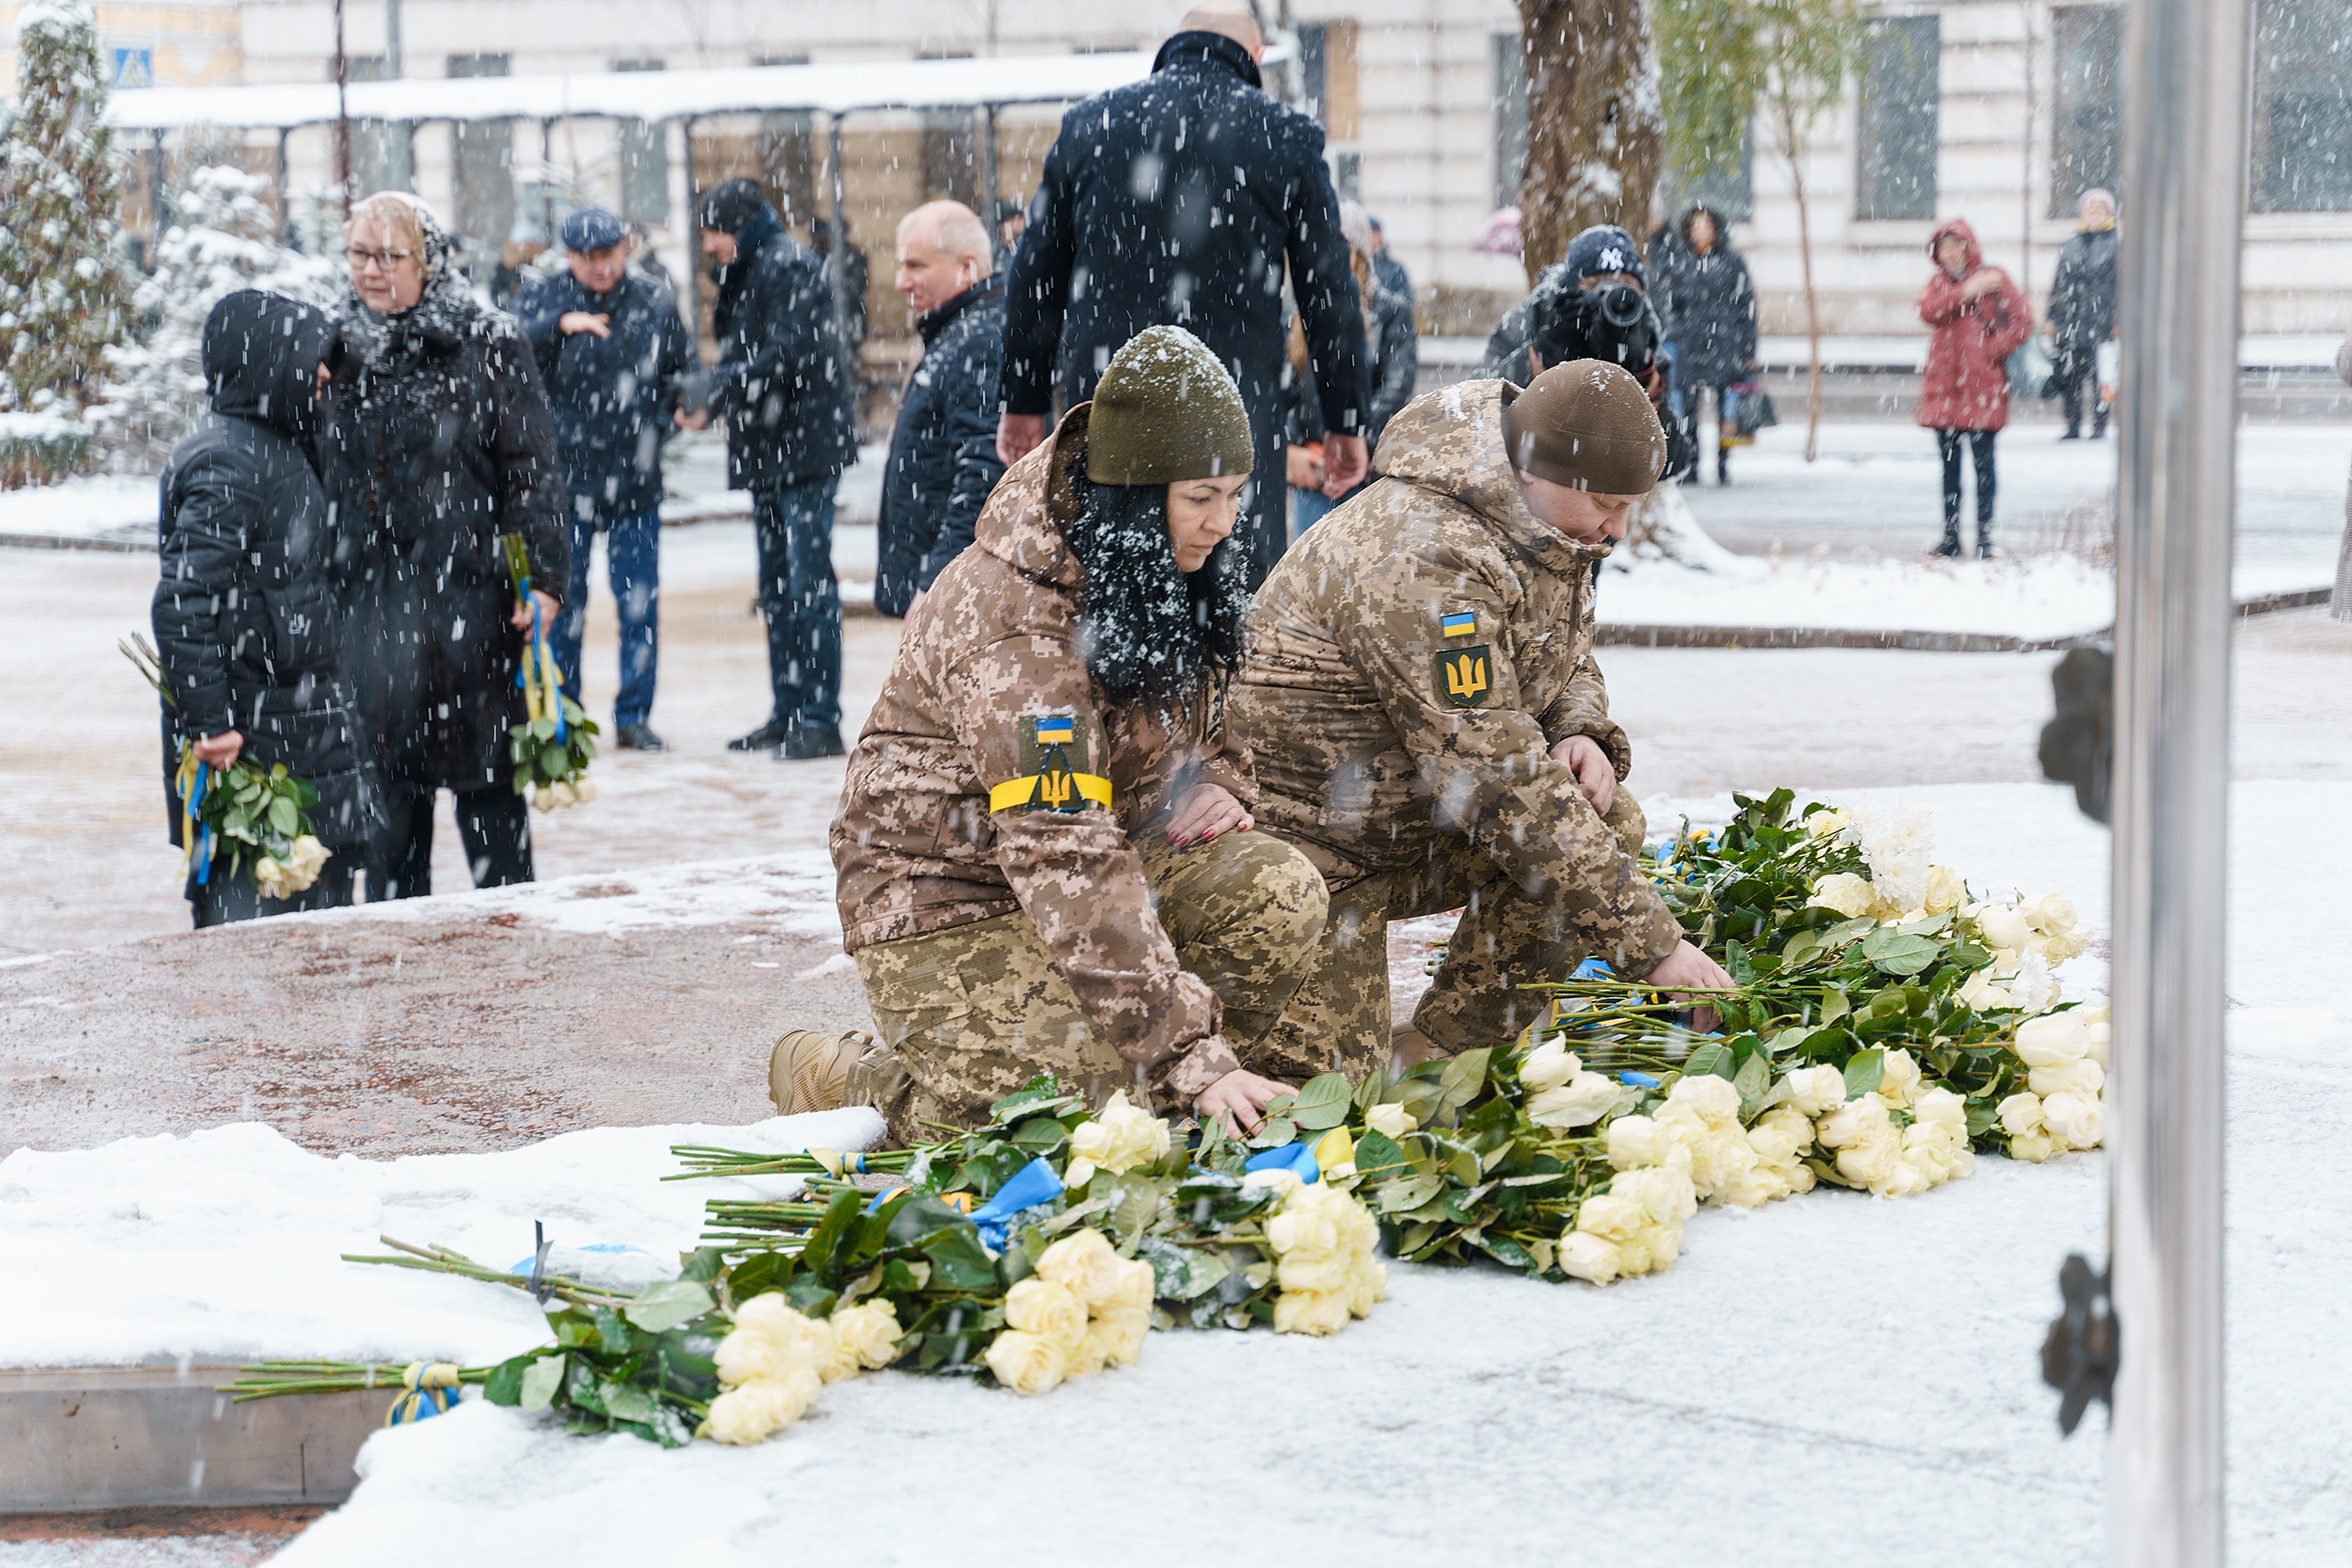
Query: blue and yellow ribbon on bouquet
[190, 784]
[540, 680]
[432, 1389]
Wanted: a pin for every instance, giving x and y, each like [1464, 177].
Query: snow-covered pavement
[1829, 1380]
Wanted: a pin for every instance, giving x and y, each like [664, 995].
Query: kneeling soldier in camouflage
[1419, 692]
[1043, 845]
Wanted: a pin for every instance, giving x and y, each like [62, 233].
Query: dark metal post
[836, 262]
[154, 197]
[988, 173]
[343, 114]
[2184, 173]
[285, 196]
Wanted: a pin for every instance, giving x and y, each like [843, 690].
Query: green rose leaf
[1897, 952]
[668, 1305]
[625, 1403]
[1708, 1058]
[1462, 1078]
[1865, 1072]
[283, 817]
[1323, 1104]
[539, 1382]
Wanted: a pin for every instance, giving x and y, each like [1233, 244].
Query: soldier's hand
[1205, 811]
[1687, 966]
[1018, 435]
[1596, 775]
[1241, 1098]
[1346, 462]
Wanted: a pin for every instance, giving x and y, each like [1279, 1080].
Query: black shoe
[1950, 548]
[808, 741]
[1984, 547]
[639, 738]
[2099, 431]
[2074, 432]
[766, 738]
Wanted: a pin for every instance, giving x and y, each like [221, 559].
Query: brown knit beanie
[1165, 411]
[1587, 424]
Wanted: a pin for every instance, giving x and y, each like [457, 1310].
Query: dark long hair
[1147, 630]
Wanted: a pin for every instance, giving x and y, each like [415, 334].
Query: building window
[1511, 117]
[2086, 53]
[644, 154]
[1326, 69]
[1900, 95]
[483, 153]
[381, 159]
[2303, 107]
[951, 157]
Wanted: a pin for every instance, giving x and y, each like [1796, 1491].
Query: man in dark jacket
[1709, 306]
[1389, 269]
[1178, 200]
[783, 383]
[621, 373]
[1592, 305]
[943, 458]
[246, 620]
[2082, 311]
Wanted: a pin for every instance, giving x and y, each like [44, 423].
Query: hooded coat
[1179, 200]
[1965, 385]
[2082, 294]
[1709, 306]
[783, 380]
[246, 618]
[919, 844]
[943, 459]
[1411, 662]
[441, 441]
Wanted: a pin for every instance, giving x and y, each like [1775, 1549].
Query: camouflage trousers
[1339, 1019]
[966, 1016]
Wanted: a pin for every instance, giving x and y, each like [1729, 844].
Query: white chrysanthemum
[1898, 842]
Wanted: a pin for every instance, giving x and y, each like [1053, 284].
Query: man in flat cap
[1418, 689]
[623, 377]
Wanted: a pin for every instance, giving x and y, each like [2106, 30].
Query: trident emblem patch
[1461, 675]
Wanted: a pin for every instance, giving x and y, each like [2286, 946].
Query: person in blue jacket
[623, 377]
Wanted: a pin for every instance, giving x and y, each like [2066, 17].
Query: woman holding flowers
[245, 614]
[1044, 844]
[442, 442]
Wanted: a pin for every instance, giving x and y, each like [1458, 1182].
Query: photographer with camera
[1593, 305]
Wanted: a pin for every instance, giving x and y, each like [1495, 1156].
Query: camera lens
[1620, 305]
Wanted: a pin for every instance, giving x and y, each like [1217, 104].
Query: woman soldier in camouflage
[1043, 844]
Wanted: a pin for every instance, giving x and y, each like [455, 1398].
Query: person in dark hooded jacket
[441, 444]
[2082, 311]
[1177, 200]
[1709, 306]
[784, 385]
[245, 614]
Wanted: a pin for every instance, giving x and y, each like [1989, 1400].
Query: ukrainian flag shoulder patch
[1457, 624]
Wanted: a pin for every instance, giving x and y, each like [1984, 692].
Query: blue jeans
[633, 564]
[801, 600]
[1307, 508]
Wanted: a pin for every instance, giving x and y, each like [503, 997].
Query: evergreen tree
[63, 286]
[221, 237]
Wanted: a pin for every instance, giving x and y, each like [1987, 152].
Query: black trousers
[495, 825]
[224, 899]
[2075, 366]
[1947, 444]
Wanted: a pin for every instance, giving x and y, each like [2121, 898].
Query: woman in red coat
[1980, 317]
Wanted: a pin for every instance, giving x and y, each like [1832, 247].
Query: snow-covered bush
[63, 283]
[222, 238]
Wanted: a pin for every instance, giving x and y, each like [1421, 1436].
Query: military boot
[809, 1072]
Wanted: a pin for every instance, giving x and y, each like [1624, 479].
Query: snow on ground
[2037, 598]
[224, 1245]
[1830, 1380]
[107, 507]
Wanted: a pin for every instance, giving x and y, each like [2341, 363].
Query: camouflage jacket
[1412, 660]
[992, 776]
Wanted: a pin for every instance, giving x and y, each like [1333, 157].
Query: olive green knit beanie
[1166, 411]
[1587, 424]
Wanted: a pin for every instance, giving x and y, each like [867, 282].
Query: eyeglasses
[387, 260]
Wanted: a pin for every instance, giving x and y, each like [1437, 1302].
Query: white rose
[1780, 1135]
[1583, 1256]
[2078, 1119]
[769, 1341]
[1848, 894]
[1026, 1363]
[1389, 1121]
[2034, 1147]
[2084, 1077]
[1118, 1332]
[2049, 915]
[1851, 1124]
[1899, 1081]
[540, 799]
[2052, 1038]
[1085, 1263]
[1984, 993]
[1637, 1141]
[2099, 1034]
[1548, 1066]
[1049, 1310]
[1825, 824]
[1664, 1193]
[1815, 1091]
[562, 793]
[750, 1412]
[1317, 1312]
[1946, 890]
[1940, 1107]
[869, 1332]
[1368, 1286]
[584, 790]
[1584, 1099]
[1613, 1216]
[2003, 927]
[1711, 1097]
[2021, 1114]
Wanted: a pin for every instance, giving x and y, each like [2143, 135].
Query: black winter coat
[2082, 294]
[943, 459]
[783, 380]
[1709, 306]
[437, 448]
[612, 397]
[1394, 349]
[1177, 199]
[245, 618]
